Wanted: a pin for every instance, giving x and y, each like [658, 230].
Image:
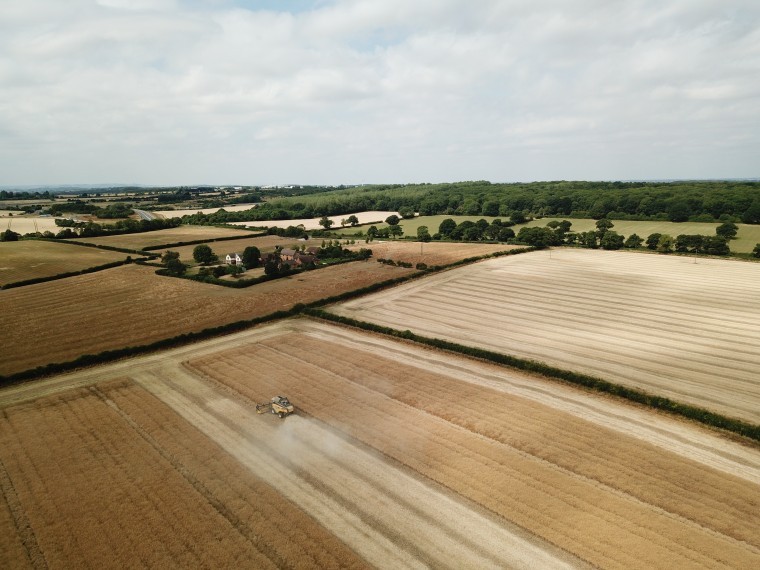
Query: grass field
[161, 237]
[28, 259]
[397, 457]
[130, 305]
[668, 325]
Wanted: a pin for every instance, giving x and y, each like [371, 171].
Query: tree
[446, 227]
[167, 256]
[665, 244]
[235, 270]
[326, 222]
[611, 240]
[204, 254]
[9, 235]
[406, 212]
[589, 239]
[727, 230]
[537, 237]
[423, 234]
[251, 257]
[352, 219]
[756, 251]
[716, 245]
[506, 234]
[271, 267]
[653, 240]
[175, 267]
[396, 231]
[752, 214]
[602, 226]
[392, 220]
[633, 242]
[517, 217]
[679, 211]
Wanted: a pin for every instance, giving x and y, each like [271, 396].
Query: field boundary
[202, 241]
[695, 413]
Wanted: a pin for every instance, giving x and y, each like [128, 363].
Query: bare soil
[682, 328]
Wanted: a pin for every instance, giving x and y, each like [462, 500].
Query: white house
[233, 259]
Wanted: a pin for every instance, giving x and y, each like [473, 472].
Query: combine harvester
[279, 405]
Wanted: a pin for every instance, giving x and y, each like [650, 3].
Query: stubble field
[398, 457]
[683, 328]
[160, 237]
[22, 260]
[131, 305]
[430, 253]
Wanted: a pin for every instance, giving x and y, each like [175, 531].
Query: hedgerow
[696, 413]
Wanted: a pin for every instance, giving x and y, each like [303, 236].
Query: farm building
[233, 259]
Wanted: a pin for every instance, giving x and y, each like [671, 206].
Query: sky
[174, 92]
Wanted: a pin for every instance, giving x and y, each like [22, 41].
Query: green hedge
[696, 413]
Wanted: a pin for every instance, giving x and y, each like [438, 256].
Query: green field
[747, 238]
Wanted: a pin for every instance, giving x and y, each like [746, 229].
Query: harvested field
[130, 305]
[668, 325]
[29, 224]
[398, 457]
[161, 237]
[431, 253]
[191, 211]
[22, 260]
[138, 486]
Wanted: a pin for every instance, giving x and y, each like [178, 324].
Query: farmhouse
[233, 259]
[288, 254]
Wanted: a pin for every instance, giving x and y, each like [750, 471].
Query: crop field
[746, 238]
[160, 237]
[674, 326]
[22, 260]
[397, 457]
[190, 211]
[130, 305]
[431, 253]
[29, 224]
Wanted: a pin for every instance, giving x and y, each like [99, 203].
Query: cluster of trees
[12, 195]
[706, 201]
[129, 226]
[558, 233]
[475, 231]
[111, 211]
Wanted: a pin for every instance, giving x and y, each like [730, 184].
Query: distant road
[144, 215]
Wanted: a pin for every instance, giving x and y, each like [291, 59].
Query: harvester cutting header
[279, 405]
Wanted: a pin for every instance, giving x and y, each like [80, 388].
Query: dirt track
[413, 458]
[669, 325]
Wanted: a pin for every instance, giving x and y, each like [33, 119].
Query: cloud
[172, 91]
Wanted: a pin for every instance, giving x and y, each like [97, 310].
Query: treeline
[112, 211]
[12, 195]
[700, 201]
[558, 233]
[128, 226]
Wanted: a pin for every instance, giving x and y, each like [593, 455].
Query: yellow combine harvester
[279, 405]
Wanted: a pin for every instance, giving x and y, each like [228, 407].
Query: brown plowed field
[130, 305]
[430, 253]
[398, 457]
[22, 260]
[672, 326]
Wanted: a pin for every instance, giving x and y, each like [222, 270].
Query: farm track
[621, 317]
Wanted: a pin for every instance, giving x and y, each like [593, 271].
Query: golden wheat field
[397, 457]
[131, 305]
[29, 259]
[676, 326]
[430, 253]
[161, 237]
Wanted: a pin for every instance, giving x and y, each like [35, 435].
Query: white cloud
[164, 91]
